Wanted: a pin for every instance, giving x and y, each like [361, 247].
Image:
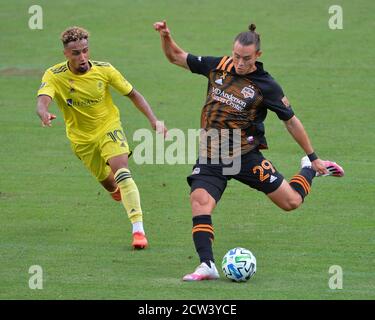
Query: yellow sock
[129, 194]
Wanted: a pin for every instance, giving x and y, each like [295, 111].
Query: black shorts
[256, 171]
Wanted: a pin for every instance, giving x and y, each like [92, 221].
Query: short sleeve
[118, 81]
[202, 65]
[47, 87]
[276, 101]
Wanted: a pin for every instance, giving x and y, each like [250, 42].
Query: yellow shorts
[95, 155]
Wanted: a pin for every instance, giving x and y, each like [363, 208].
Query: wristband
[312, 156]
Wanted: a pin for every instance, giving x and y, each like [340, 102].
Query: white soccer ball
[239, 264]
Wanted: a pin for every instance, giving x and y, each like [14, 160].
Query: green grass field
[54, 214]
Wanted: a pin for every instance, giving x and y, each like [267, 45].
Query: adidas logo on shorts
[273, 178]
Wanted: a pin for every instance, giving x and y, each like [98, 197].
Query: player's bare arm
[42, 110]
[171, 50]
[299, 134]
[142, 105]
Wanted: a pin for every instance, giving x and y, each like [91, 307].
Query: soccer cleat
[203, 272]
[116, 195]
[139, 241]
[333, 168]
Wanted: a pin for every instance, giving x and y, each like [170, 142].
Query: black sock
[203, 236]
[302, 182]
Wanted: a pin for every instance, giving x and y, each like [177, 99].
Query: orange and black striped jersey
[239, 101]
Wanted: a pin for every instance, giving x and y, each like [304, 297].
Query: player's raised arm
[171, 50]
[42, 110]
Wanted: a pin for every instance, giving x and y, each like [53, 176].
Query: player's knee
[291, 204]
[199, 200]
[118, 162]
[198, 203]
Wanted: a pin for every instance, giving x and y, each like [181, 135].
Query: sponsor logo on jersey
[83, 103]
[228, 99]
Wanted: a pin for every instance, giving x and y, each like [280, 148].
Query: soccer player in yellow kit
[81, 89]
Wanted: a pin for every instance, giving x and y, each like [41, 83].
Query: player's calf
[302, 181]
[285, 197]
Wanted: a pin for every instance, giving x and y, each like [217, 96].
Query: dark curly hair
[73, 34]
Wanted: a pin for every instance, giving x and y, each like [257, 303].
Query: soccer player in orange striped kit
[239, 94]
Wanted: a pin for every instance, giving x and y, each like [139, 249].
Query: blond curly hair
[73, 34]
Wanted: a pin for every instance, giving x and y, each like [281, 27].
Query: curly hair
[73, 34]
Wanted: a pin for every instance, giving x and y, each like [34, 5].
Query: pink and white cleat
[333, 168]
[203, 272]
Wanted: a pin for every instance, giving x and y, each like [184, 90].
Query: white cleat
[333, 168]
[203, 272]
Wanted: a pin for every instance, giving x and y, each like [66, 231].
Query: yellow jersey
[85, 100]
